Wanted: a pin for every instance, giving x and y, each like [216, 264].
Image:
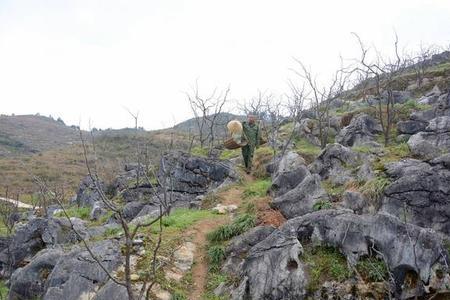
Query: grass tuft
[239, 226]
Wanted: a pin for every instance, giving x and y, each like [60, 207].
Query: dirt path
[230, 196]
[200, 267]
[16, 202]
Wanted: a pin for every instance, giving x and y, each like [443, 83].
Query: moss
[324, 263]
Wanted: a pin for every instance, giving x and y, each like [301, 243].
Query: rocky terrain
[354, 220]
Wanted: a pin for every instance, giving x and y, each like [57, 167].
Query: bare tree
[420, 62]
[322, 95]
[383, 78]
[207, 111]
[256, 105]
[274, 113]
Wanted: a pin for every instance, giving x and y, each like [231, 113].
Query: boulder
[335, 161]
[111, 291]
[362, 128]
[88, 192]
[411, 127]
[132, 209]
[301, 199]
[29, 282]
[433, 141]
[405, 247]
[420, 193]
[97, 211]
[193, 174]
[78, 275]
[37, 234]
[356, 202]
[272, 270]
[283, 182]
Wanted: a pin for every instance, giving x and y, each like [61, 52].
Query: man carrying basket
[252, 134]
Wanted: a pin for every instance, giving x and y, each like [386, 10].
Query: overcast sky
[86, 60]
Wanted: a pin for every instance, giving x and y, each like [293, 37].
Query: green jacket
[252, 133]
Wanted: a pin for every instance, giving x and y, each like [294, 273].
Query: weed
[374, 188]
[322, 204]
[372, 269]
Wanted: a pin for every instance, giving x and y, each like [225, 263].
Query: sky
[89, 61]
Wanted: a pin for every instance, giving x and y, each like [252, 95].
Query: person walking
[252, 134]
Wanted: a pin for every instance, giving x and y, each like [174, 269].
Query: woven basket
[231, 144]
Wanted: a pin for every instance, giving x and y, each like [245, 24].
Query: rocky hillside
[356, 219]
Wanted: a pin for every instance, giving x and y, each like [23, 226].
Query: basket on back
[236, 139]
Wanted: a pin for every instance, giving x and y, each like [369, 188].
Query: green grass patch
[3, 290]
[216, 255]
[257, 188]
[307, 150]
[324, 264]
[182, 218]
[229, 154]
[76, 212]
[335, 192]
[372, 269]
[322, 204]
[240, 225]
[199, 151]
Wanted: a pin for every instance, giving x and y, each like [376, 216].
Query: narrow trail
[199, 232]
[16, 203]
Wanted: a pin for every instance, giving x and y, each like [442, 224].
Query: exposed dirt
[200, 267]
[266, 215]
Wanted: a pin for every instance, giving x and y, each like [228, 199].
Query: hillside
[28, 134]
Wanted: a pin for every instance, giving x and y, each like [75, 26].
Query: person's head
[251, 119]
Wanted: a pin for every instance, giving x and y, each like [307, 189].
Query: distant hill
[28, 134]
[221, 122]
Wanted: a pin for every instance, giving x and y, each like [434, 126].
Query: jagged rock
[402, 138]
[420, 193]
[192, 174]
[29, 282]
[128, 178]
[434, 140]
[405, 247]
[365, 172]
[272, 270]
[111, 291]
[240, 245]
[78, 275]
[88, 193]
[301, 199]
[411, 127]
[356, 202]
[38, 234]
[334, 162]
[362, 128]
[286, 181]
[132, 209]
[138, 194]
[289, 162]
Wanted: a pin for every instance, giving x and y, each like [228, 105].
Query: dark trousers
[247, 154]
